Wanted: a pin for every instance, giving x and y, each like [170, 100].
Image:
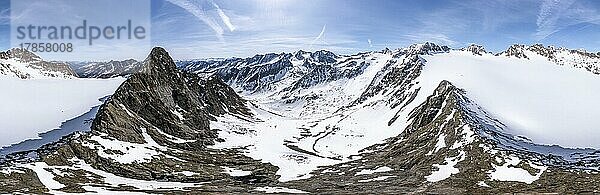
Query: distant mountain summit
[561, 56]
[475, 49]
[24, 64]
[107, 69]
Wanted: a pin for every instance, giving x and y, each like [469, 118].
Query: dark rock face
[323, 56]
[548, 52]
[108, 69]
[150, 98]
[322, 73]
[425, 113]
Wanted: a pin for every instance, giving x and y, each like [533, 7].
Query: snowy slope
[18, 69]
[23, 64]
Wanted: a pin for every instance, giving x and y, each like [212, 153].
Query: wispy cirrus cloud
[223, 16]
[555, 15]
[5, 16]
[320, 36]
[547, 19]
[197, 9]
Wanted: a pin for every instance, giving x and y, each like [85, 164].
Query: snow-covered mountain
[108, 69]
[420, 119]
[561, 56]
[23, 64]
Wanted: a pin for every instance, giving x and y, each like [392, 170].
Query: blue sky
[226, 28]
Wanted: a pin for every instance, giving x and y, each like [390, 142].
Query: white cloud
[224, 17]
[319, 36]
[196, 9]
[550, 12]
[557, 15]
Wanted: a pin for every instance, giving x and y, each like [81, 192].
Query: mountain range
[421, 119]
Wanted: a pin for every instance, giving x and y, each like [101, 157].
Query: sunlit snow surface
[509, 172]
[548, 103]
[32, 106]
[109, 180]
[278, 190]
[447, 169]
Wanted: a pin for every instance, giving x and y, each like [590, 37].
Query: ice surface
[32, 106]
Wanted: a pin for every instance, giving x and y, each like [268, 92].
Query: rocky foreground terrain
[306, 122]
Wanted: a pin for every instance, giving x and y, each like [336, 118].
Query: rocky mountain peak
[161, 98]
[21, 55]
[300, 54]
[386, 51]
[475, 49]
[31, 64]
[560, 56]
[548, 52]
[516, 50]
[324, 56]
[159, 61]
[426, 48]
